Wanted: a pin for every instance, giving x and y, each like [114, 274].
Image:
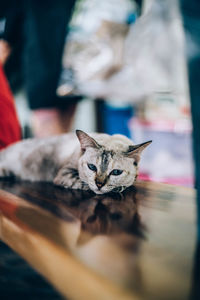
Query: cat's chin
[99, 192]
[119, 189]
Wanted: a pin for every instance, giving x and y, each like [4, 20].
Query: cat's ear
[86, 140]
[134, 151]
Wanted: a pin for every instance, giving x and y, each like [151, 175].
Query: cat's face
[107, 170]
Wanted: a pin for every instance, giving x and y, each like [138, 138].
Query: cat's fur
[64, 160]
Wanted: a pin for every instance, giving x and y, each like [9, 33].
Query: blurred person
[4, 51]
[10, 130]
[34, 36]
[191, 19]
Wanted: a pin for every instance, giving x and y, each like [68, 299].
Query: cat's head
[106, 169]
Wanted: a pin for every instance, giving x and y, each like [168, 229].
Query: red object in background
[10, 130]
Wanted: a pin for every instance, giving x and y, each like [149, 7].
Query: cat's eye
[116, 172]
[92, 167]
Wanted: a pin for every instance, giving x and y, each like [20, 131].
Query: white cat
[99, 162]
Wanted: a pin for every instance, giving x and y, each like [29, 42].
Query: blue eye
[92, 167]
[116, 172]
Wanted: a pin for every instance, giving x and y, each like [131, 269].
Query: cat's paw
[66, 177]
[58, 180]
[84, 186]
[69, 178]
[72, 184]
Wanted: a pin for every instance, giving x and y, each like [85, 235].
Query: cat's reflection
[99, 214]
[105, 214]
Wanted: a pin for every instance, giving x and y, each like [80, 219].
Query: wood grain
[137, 245]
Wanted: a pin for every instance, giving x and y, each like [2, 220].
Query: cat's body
[87, 162]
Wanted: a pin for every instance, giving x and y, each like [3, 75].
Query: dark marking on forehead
[105, 156]
[111, 153]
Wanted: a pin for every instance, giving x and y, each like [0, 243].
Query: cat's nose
[99, 183]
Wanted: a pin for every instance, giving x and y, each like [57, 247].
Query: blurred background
[113, 66]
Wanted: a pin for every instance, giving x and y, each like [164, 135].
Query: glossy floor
[137, 245]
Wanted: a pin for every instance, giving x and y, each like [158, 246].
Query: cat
[98, 162]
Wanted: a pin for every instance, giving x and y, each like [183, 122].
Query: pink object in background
[169, 158]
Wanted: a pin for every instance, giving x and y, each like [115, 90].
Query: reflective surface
[135, 245]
